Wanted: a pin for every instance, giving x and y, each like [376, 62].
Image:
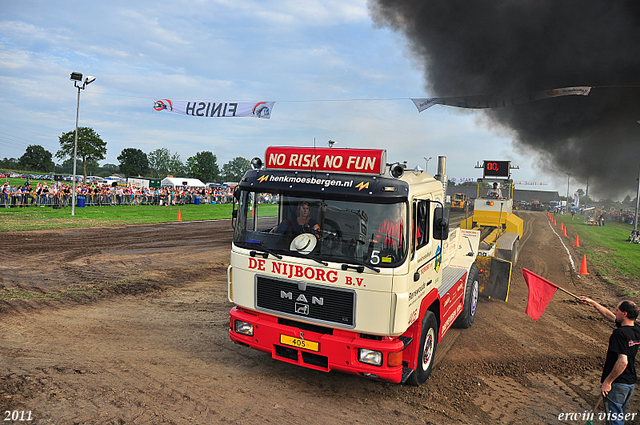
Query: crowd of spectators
[619, 216]
[60, 194]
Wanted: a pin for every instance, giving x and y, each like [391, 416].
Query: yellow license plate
[299, 343]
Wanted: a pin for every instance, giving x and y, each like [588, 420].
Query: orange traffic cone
[179, 217]
[564, 233]
[583, 267]
[561, 225]
[554, 222]
[577, 243]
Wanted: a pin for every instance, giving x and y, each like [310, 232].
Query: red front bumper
[337, 350]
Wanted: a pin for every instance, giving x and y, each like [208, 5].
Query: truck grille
[306, 301]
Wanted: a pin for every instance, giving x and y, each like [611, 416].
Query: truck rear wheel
[471, 293]
[427, 350]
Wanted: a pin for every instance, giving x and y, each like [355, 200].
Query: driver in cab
[390, 230]
[302, 223]
[494, 192]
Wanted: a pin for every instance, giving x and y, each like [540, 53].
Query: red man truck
[341, 261]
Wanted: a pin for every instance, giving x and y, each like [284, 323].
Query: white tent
[181, 181]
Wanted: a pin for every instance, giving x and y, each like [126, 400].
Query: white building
[181, 181]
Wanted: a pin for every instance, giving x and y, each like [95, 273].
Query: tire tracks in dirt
[156, 350]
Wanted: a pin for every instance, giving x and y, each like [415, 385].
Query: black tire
[471, 294]
[426, 351]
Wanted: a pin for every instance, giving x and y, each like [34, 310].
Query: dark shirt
[289, 227]
[623, 340]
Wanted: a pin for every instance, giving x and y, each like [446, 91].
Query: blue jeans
[616, 402]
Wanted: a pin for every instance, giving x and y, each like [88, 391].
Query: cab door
[421, 239]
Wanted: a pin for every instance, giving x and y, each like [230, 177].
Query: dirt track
[131, 327]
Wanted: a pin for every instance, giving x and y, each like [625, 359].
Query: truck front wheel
[427, 350]
[468, 315]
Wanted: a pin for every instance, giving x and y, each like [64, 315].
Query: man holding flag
[619, 372]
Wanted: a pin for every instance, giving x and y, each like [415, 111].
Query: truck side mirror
[440, 223]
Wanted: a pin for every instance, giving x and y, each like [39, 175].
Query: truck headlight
[370, 357]
[243, 328]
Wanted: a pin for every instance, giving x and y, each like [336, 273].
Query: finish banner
[491, 101]
[215, 109]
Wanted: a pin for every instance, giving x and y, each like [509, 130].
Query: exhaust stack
[441, 174]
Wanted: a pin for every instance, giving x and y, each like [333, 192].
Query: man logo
[302, 304]
[302, 309]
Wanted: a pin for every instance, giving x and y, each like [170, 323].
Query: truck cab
[343, 262]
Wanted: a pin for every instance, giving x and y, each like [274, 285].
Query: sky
[333, 73]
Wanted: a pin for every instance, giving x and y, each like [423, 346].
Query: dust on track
[130, 325]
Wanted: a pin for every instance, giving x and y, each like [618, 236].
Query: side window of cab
[421, 223]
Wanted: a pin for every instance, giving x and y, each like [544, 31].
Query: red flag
[540, 293]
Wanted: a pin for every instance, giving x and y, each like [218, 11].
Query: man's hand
[586, 300]
[618, 368]
[606, 313]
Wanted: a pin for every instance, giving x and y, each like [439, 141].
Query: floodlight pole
[566, 211]
[635, 219]
[75, 153]
[77, 77]
[426, 165]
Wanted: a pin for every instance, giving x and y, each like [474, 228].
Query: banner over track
[215, 109]
[492, 101]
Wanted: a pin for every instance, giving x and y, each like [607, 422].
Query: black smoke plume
[513, 47]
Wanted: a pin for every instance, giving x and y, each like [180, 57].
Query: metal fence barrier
[99, 200]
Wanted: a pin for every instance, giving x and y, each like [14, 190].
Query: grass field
[35, 218]
[606, 248]
[15, 181]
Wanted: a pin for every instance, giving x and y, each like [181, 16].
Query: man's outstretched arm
[606, 313]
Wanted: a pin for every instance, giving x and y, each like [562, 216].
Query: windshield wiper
[261, 248]
[360, 263]
[324, 263]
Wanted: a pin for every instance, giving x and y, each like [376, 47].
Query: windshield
[372, 234]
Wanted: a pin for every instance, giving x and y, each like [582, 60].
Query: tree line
[133, 162]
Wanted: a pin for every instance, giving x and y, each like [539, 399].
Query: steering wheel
[385, 236]
[308, 229]
[331, 235]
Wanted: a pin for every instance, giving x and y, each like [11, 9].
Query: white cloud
[19, 32]
[308, 12]
[314, 58]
